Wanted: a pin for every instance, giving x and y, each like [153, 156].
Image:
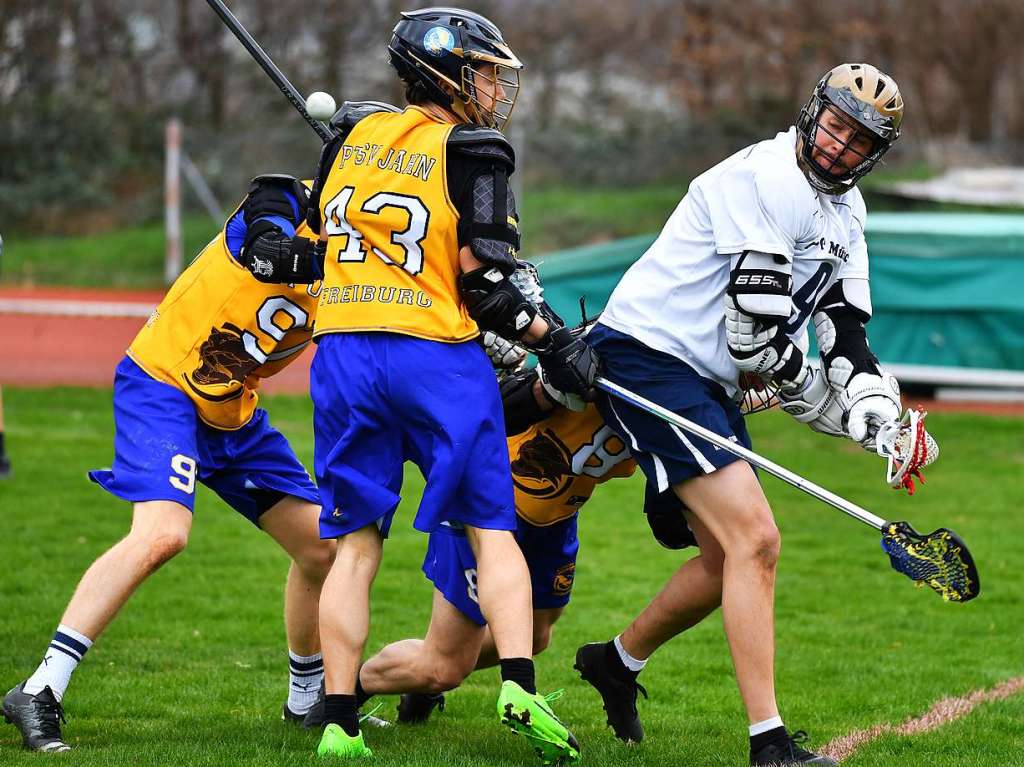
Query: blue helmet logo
[438, 41]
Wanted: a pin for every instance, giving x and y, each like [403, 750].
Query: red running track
[53, 336]
[76, 337]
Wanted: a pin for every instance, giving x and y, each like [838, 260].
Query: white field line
[65, 308]
[942, 713]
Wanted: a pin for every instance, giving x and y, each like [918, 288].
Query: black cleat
[5, 467]
[416, 707]
[618, 691]
[38, 717]
[314, 718]
[787, 752]
[287, 715]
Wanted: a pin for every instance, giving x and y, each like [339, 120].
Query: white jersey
[673, 298]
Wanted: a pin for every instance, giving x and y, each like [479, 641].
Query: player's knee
[446, 677]
[161, 547]
[765, 545]
[316, 559]
[541, 640]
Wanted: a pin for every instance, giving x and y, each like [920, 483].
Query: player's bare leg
[543, 624]
[294, 524]
[691, 594]
[503, 590]
[159, 530]
[344, 627]
[434, 664]
[732, 506]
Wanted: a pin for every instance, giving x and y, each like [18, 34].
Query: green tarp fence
[947, 289]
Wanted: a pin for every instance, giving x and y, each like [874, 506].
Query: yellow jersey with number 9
[557, 463]
[392, 241]
[218, 331]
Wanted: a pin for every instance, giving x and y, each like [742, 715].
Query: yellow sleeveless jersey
[557, 462]
[392, 242]
[218, 331]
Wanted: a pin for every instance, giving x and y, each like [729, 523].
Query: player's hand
[569, 365]
[813, 402]
[504, 354]
[870, 401]
[571, 401]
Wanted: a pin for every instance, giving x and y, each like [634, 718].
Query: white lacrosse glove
[813, 402]
[504, 354]
[565, 399]
[870, 402]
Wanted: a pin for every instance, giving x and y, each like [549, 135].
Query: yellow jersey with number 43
[392, 242]
[557, 463]
[218, 331]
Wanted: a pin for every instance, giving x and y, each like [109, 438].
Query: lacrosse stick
[294, 97]
[939, 559]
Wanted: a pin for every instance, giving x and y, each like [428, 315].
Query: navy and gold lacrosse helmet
[862, 97]
[441, 48]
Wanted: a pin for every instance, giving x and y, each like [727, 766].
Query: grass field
[194, 670]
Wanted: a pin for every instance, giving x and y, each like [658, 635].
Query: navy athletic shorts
[667, 454]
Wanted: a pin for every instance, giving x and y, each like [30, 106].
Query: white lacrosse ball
[321, 106]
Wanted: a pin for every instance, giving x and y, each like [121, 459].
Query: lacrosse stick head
[908, 447]
[757, 394]
[939, 560]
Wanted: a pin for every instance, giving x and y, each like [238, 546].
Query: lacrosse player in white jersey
[761, 244]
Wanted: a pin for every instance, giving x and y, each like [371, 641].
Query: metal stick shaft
[750, 456]
[268, 66]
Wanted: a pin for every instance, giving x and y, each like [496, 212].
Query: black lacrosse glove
[569, 364]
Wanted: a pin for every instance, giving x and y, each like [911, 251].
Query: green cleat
[335, 742]
[532, 717]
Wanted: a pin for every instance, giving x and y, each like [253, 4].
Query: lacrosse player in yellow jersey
[185, 411]
[421, 233]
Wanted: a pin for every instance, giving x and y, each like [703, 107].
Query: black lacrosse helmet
[441, 47]
[863, 97]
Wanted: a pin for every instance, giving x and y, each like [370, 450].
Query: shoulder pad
[351, 112]
[485, 143]
[274, 179]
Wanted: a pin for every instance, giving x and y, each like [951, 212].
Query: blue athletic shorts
[380, 399]
[550, 554]
[162, 448]
[667, 454]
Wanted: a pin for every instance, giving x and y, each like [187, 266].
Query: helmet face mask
[461, 60]
[851, 103]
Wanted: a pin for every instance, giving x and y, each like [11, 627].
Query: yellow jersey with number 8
[392, 241]
[218, 331]
[557, 463]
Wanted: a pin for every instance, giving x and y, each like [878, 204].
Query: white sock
[767, 724]
[66, 650]
[633, 664]
[305, 675]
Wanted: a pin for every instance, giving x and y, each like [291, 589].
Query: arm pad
[495, 303]
[839, 325]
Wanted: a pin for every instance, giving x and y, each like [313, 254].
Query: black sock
[361, 695]
[777, 735]
[1, 444]
[520, 671]
[615, 664]
[344, 711]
